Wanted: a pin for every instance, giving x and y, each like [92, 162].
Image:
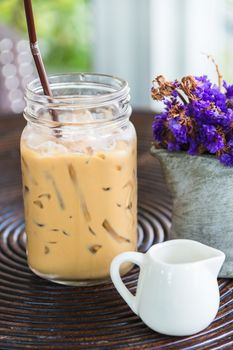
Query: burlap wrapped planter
[202, 192]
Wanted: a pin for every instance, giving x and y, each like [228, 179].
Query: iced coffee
[79, 178]
[80, 206]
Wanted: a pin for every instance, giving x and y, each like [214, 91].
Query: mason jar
[78, 158]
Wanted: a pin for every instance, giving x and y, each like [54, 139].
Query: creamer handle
[136, 258]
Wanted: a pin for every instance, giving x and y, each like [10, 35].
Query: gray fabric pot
[202, 193]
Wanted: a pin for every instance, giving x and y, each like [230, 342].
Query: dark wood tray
[36, 314]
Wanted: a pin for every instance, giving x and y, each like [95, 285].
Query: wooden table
[36, 314]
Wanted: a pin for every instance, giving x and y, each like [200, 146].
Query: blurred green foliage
[63, 29]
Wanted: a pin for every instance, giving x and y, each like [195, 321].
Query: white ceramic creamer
[177, 292]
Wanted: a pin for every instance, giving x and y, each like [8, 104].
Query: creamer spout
[215, 261]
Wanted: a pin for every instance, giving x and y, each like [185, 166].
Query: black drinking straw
[36, 52]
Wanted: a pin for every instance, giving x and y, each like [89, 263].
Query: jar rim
[116, 88]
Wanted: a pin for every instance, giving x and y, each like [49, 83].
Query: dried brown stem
[220, 77]
[182, 97]
[164, 89]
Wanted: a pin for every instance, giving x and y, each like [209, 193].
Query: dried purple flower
[198, 117]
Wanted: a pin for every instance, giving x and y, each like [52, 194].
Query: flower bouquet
[193, 140]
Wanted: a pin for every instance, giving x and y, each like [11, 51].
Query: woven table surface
[37, 314]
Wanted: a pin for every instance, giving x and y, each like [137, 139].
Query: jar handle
[136, 258]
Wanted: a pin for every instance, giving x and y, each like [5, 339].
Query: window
[64, 33]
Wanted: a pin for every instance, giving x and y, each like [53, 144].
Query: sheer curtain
[138, 39]
[121, 43]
